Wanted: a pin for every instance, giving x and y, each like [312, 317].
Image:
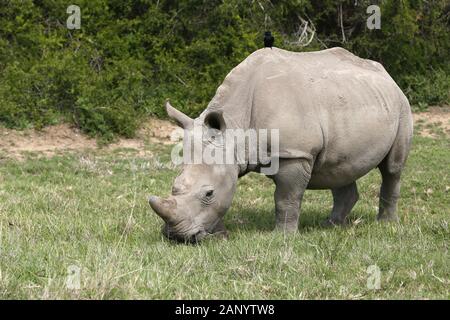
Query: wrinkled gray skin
[339, 117]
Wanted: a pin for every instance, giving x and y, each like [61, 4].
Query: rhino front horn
[183, 120]
[163, 208]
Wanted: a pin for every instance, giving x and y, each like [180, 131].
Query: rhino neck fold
[235, 96]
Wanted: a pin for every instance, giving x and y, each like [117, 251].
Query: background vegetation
[129, 55]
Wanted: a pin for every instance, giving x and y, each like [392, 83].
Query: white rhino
[339, 116]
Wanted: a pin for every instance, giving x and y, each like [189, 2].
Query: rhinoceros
[338, 117]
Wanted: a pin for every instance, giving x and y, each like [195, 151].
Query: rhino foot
[286, 228]
[388, 218]
[327, 223]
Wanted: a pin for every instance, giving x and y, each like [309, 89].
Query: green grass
[90, 210]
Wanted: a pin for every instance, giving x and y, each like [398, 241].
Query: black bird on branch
[268, 39]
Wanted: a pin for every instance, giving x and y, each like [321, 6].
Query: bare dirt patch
[161, 131]
[63, 137]
[433, 122]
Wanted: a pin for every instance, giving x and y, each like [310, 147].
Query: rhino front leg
[291, 182]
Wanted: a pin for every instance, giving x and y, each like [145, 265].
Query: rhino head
[201, 193]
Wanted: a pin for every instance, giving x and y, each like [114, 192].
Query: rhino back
[331, 107]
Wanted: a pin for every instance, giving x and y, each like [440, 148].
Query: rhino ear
[181, 119]
[215, 120]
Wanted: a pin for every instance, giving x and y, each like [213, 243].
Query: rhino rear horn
[182, 120]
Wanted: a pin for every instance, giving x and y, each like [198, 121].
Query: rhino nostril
[198, 236]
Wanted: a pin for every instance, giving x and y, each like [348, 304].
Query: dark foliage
[130, 55]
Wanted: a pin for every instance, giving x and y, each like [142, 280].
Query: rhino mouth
[191, 238]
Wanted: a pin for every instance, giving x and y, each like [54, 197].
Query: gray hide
[339, 116]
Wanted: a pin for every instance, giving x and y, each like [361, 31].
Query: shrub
[432, 88]
[130, 55]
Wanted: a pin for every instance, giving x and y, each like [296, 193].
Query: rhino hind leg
[391, 168]
[344, 199]
[290, 181]
[389, 194]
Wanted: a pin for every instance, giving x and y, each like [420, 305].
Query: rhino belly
[339, 175]
[351, 153]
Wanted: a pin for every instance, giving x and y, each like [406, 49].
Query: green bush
[427, 89]
[130, 55]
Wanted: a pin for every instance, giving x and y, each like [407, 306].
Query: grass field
[89, 211]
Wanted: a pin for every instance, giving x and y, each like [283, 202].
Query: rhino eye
[207, 198]
[209, 193]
